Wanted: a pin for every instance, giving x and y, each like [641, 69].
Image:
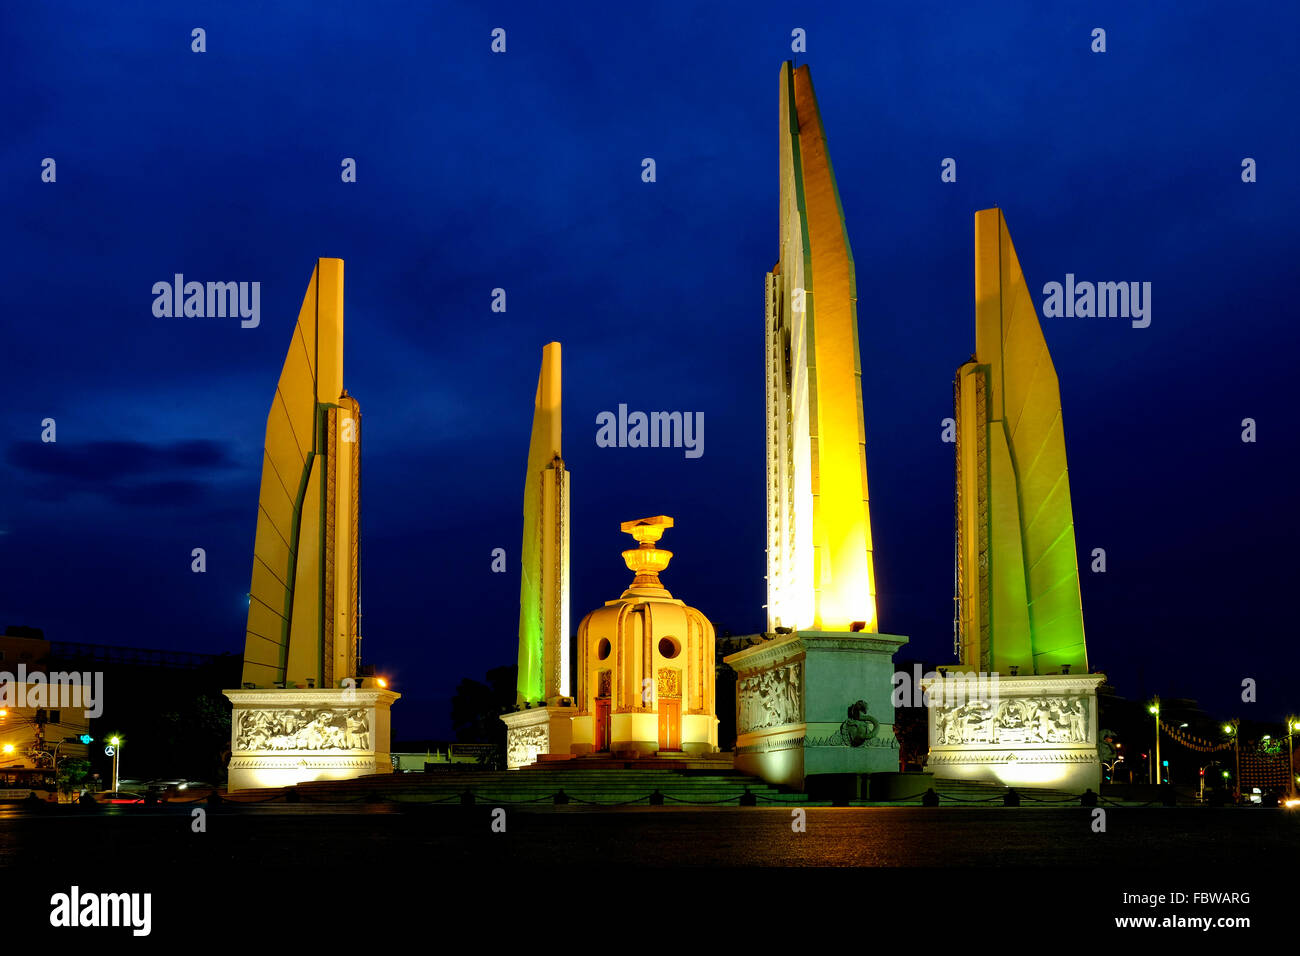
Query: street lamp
[1231, 729]
[114, 745]
[1154, 711]
[1292, 728]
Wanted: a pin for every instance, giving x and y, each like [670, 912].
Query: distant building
[166, 705]
[42, 715]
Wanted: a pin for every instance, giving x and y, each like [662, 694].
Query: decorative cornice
[1021, 685]
[289, 761]
[770, 744]
[1020, 755]
[273, 697]
[788, 647]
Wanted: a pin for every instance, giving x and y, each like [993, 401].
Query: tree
[73, 774]
[476, 707]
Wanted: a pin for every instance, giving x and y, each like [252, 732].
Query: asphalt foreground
[317, 870]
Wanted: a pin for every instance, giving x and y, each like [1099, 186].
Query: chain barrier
[597, 803]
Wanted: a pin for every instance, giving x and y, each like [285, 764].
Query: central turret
[645, 664]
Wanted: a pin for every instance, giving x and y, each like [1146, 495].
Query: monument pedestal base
[815, 702]
[1038, 731]
[535, 731]
[279, 738]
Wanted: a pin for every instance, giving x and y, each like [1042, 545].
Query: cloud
[128, 473]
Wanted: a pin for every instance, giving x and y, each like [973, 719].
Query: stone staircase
[976, 793]
[583, 785]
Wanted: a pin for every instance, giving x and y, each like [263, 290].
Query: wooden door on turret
[602, 725]
[670, 723]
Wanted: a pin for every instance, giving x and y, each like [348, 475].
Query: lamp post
[114, 745]
[1231, 729]
[1292, 726]
[1154, 710]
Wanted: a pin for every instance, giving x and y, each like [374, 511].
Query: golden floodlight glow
[303, 600]
[819, 550]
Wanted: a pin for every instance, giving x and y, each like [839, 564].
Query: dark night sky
[522, 171]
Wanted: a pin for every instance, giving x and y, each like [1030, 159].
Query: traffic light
[87, 739]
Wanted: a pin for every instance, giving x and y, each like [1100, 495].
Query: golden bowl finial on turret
[646, 561]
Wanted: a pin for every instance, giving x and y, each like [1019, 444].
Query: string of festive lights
[1193, 743]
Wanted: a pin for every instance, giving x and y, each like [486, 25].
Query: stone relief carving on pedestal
[770, 698]
[303, 729]
[523, 744]
[1043, 720]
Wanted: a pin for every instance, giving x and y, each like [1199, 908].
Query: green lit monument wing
[1018, 577]
[544, 558]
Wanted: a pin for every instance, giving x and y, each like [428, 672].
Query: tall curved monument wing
[823, 649]
[304, 711]
[542, 721]
[820, 573]
[544, 559]
[1018, 575]
[303, 599]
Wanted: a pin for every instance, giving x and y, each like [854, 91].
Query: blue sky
[522, 171]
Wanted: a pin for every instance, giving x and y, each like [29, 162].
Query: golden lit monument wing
[303, 600]
[304, 711]
[820, 572]
[814, 693]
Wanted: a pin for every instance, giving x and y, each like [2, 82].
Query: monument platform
[537, 731]
[1033, 731]
[815, 702]
[664, 760]
[281, 737]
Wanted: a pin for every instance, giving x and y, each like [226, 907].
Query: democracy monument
[814, 691]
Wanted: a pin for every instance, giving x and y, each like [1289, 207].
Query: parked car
[119, 796]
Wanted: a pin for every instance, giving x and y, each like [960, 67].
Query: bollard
[930, 798]
[1012, 799]
[747, 799]
[467, 798]
[656, 799]
[561, 798]
[1089, 799]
